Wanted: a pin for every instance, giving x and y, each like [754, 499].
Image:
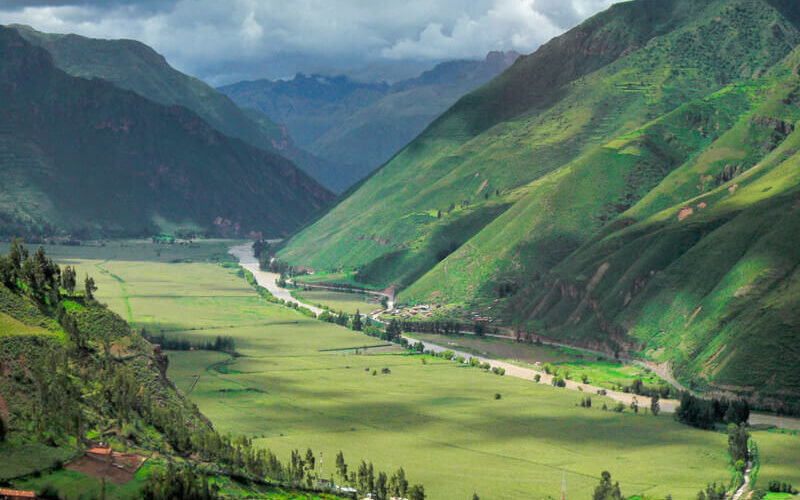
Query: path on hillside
[268, 280]
[745, 484]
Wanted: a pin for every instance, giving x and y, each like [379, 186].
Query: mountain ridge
[361, 123]
[481, 210]
[151, 167]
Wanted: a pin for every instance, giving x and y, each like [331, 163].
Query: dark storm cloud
[226, 40]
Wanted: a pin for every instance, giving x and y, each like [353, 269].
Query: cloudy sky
[223, 41]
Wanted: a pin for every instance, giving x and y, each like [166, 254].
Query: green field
[299, 384]
[339, 301]
[600, 370]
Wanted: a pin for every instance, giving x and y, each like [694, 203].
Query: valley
[299, 383]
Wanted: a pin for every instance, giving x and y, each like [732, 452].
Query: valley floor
[299, 383]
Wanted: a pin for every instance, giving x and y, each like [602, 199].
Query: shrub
[537, 378]
[559, 382]
[497, 395]
[619, 407]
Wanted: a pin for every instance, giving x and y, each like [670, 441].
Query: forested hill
[84, 156]
[133, 65]
[631, 185]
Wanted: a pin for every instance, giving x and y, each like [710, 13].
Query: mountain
[632, 186]
[84, 156]
[364, 124]
[132, 65]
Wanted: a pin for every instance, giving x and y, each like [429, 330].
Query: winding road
[269, 281]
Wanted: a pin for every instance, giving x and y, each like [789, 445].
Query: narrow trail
[746, 483]
[269, 281]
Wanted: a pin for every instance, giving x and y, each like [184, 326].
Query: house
[7, 494]
[101, 454]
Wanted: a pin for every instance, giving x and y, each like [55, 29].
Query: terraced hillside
[518, 201]
[134, 66]
[83, 156]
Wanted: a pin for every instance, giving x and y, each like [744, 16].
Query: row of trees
[220, 343]
[704, 413]
[367, 482]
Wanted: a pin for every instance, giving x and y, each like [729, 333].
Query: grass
[780, 457]
[338, 301]
[10, 326]
[604, 372]
[20, 459]
[297, 385]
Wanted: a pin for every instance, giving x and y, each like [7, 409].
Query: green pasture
[339, 301]
[299, 384]
[600, 370]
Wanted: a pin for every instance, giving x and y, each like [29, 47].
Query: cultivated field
[299, 383]
[339, 301]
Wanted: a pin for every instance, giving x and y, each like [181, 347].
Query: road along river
[269, 281]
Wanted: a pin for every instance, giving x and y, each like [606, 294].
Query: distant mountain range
[133, 65]
[363, 124]
[633, 186]
[84, 156]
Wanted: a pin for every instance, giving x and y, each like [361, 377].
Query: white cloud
[269, 38]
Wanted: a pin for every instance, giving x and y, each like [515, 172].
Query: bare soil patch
[120, 471]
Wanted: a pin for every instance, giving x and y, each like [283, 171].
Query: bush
[619, 407]
[497, 395]
[559, 382]
[537, 378]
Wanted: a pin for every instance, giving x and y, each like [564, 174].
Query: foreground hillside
[562, 197]
[134, 66]
[364, 124]
[75, 378]
[83, 156]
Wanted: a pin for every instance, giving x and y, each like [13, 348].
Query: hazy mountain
[85, 156]
[364, 124]
[632, 185]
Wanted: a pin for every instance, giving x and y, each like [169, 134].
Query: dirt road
[266, 279]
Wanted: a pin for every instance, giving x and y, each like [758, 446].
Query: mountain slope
[85, 156]
[364, 124]
[134, 66]
[491, 204]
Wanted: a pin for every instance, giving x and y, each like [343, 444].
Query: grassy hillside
[657, 103]
[83, 156]
[132, 65]
[364, 124]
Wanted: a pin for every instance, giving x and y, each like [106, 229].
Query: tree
[655, 406]
[89, 287]
[393, 330]
[341, 466]
[417, 492]
[737, 442]
[605, 490]
[68, 279]
[382, 485]
[357, 324]
[398, 484]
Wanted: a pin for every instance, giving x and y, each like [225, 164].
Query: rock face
[85, 157]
